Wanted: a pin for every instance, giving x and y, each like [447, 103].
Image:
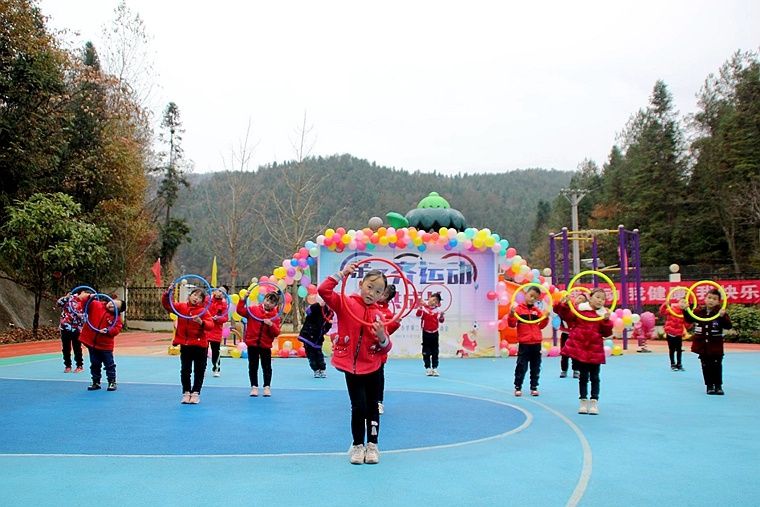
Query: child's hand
[348, 270]
[682, 304]
[379, 330]
[607, 314]
[197, 319]
[268, 322]
[722, 312]
[103, 331]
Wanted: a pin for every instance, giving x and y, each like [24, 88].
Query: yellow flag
[213, 273]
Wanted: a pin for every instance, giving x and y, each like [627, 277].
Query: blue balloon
[310, 261]
[556, 321]
[422, 248]
[294, 262]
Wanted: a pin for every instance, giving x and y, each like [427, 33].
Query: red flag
[156, 270]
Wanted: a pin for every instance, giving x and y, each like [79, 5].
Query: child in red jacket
[219, 312]
[430, 318]
[98, 332]
[529, 338]
[358, 351]
[262, 328]
[70, 327]
[674, 328]
[193, 341]
[586, 344]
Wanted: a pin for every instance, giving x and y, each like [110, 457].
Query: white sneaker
[356, 454]
[317, 374]
[195, 398]
[372, 455]
[429, 372]
[217, 373]
[322, 374]
[583, 409]
[254, 391]
[593, 409]
[380, 408]
[185, 398]
[435, 372]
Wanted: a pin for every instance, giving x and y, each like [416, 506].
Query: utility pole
[574, 196]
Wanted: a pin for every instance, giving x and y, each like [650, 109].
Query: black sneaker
[562, 374]
[679, 367]
[111, 386]
[576, 374]
[710, 389]
[719, 391]
[94, 387]
[674, 367]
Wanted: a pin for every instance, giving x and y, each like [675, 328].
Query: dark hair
[390, 292]
[436, 295]
[123, 306]
[595, 290]
[273, 297]
[375, 273]
[199, 291]
[226, 288]
[533, 288]
[716, 292]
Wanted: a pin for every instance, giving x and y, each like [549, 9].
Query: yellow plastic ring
[514, 295]
[606, 280]
[670, 293]
[717, 286]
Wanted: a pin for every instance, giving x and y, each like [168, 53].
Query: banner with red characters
[745, 292]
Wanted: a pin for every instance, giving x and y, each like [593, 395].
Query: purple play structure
[629, 264]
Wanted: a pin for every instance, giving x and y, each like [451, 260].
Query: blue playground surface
[458, 439]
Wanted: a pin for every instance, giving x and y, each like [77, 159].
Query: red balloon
[283, 353]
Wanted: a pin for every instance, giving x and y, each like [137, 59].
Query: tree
[44, 235]
[174, 231]
[231, 226]
[33, 96]
[727, 152]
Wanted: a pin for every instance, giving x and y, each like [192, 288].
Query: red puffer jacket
[355, 346]
[430, 318]
[188, 331]
[527, 333]
[586, 341]
[674, 326]
[219, 315]
[258, 334]
[99, 317]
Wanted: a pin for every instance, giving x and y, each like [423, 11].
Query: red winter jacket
[100, 318]
[188, 331]
[219, 315]
[355, 346]
[527, 333]
[258, 334]
[674, 326]
[430, 318]
[390, 328]
[586, 341]
[707, 339]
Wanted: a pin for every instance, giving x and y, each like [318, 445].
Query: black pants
[674, 349]
[216, 360]
[193, 359]
[565, 361]
[381, 383]
[102, 359]
[528, 354]
[712, 369]
[316, 357]
[430, 349]
[70, 339]
[254, 354]
[362, 390]
[588, 372]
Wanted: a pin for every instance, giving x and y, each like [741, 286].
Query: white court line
[524, 425]
[586, 468]
[29, 362]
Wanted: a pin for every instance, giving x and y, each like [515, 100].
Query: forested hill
[351, 190]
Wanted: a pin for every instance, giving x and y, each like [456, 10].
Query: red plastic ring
[383, 322]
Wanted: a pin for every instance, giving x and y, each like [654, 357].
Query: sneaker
[78, 369]
[185, 398]
[195, 398]
[380, 408]
[216, 373]
[534, 392]
[322, 374]
[593, 408]
[576, 374]
[267, 392]
[562, 374]
[317, 374]
[719, 390]
[356, 454]
[673, 367]
[94, 387]
[429, 372]
[67, 369]
[583, 408]
[680, 368]
[254, 391]
[710, 389]
[518, 392]
[111, 386]
[435, 372]
[372, 454]
[644, 349]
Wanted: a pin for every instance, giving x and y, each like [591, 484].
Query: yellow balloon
[242, 294]
[172, 316]
[236, 317]
[235, 353]
[235, 299]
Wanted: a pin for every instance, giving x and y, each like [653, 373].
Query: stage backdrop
[470, 326]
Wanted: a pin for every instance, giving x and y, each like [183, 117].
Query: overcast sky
[469, 86]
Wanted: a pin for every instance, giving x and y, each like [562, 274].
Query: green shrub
[746, 321]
